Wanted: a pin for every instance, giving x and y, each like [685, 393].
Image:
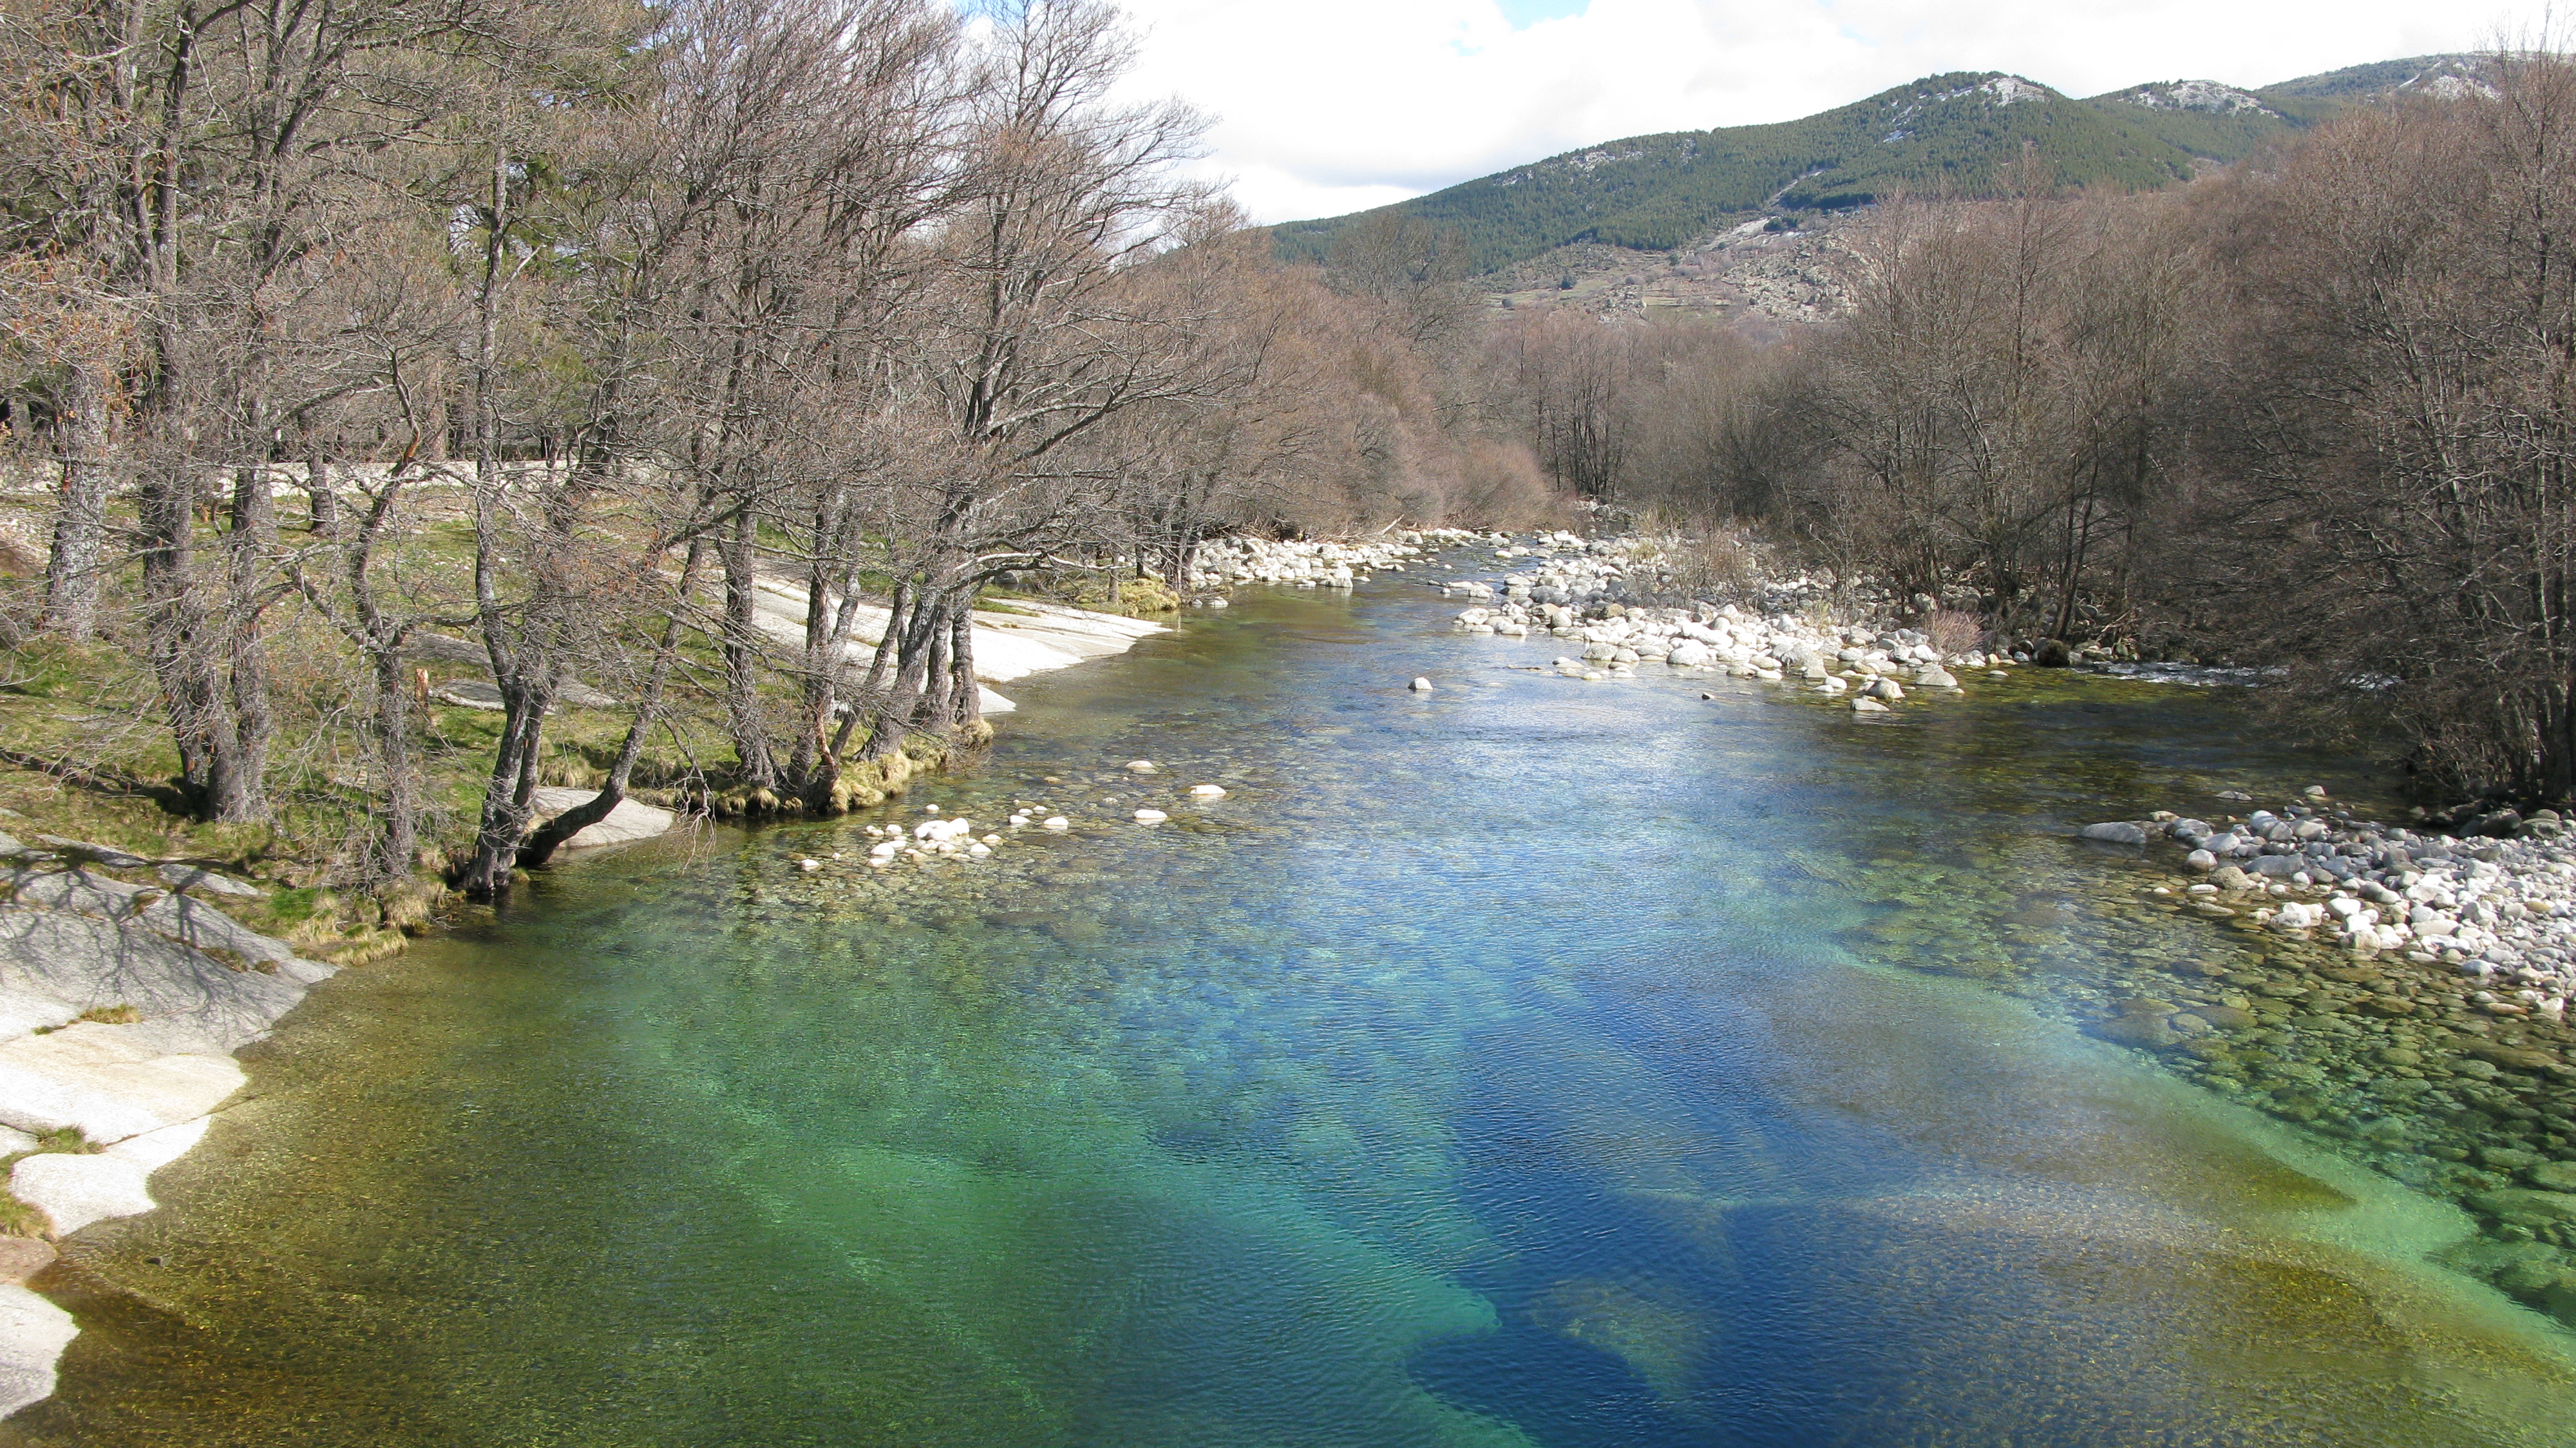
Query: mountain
[1953, 132]
[2434, 74]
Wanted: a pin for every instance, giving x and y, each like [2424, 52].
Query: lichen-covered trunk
[396, 840]
[72, 565]
[940, 691]
[831, 611]
[741, 648]
[898, 704]
[187, 650]
[509, 792]
[966, 707]
[249, 551]
[321, 497]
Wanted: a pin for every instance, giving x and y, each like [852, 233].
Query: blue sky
[1521, 14]
[1327, 106]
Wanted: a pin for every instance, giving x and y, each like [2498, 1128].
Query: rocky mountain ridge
[1950, 132]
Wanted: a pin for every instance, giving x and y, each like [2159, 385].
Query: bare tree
[2399, 422]
[1036, 337]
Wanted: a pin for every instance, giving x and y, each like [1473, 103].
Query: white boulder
[33, 1334]
[74, 1191]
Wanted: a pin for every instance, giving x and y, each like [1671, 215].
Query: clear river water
[1530, 1062]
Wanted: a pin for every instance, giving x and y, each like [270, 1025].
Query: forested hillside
[1945, 133]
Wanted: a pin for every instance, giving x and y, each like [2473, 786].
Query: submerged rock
[2553, 1176]
[33, 1334]
[2525, 1207]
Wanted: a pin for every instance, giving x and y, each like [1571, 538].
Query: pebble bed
[2405, 997]
[1222, 563]
[1589, 592]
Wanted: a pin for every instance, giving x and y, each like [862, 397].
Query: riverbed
[1528, 1061]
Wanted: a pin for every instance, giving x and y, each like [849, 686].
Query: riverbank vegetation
[545, 346]
[539, 339]
[2313, 412]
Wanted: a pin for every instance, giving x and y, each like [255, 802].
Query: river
[1526, 1062]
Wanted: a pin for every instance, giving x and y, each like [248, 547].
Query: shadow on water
[1529, 1063]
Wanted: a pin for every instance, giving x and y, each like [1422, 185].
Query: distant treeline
[2317, 412]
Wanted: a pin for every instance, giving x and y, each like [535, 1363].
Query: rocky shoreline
[2408, 990]
[1223, 563]
[2408, 1003]
[1597, 592]
[122, 1001]
[2400, 993]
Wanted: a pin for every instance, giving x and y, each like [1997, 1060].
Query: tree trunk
[966, 710]
[80, 521]
[896, 705]
[742, 658]
[396, 845]
[187, 650]
[540, 847]
[248, 552]
[325, 501]
[509, 790]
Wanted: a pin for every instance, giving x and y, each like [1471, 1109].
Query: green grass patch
[292, 907]
[67, 1140]
[17, 1219]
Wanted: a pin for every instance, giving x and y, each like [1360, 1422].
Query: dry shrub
[1711, 566]
[1500, 486]
[1953, 631]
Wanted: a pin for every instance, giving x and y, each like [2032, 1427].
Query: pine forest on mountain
[1942, 133]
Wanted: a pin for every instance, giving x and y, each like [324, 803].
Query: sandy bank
[1012, 640]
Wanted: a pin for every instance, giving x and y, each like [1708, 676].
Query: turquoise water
[1529, 1062]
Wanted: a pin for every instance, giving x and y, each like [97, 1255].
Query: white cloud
[1327, 106]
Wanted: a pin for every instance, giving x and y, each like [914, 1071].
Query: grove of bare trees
[694, 372]
[576, 335]
[2314, 412]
